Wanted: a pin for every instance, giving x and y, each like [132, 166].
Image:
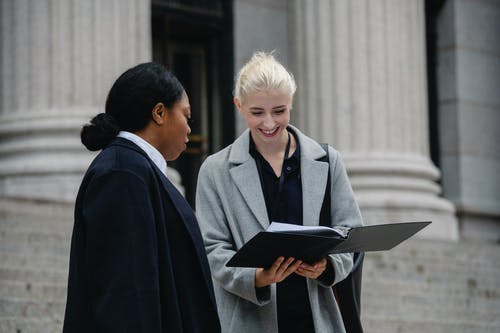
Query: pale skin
[267, 114]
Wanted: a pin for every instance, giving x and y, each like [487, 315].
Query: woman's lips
[269, 134]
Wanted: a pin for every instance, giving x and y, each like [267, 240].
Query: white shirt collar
[151, 151]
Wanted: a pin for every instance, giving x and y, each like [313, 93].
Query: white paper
[313, 230]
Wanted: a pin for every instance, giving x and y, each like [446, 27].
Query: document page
[308, 230]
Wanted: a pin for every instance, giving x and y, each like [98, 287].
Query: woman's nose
[269, 121]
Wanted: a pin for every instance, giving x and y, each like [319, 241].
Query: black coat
[137, 262]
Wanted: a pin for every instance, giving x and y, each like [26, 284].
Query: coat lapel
[244, 173]
[314, 176]
[189, 220]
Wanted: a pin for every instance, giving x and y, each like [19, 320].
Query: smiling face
[175, 129]
[267, 114]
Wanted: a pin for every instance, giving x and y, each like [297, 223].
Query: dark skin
[168, 130]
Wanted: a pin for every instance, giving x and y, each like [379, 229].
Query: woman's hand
[278, 271]
[312, 271]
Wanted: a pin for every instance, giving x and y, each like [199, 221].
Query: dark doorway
[194, 40]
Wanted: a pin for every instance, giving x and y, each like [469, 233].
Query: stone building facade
[406, 90]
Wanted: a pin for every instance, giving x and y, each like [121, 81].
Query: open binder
[310, 244]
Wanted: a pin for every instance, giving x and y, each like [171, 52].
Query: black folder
[265, 247]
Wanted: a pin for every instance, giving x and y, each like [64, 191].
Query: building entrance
[194, 41]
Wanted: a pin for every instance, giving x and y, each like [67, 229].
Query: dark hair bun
[100, 132]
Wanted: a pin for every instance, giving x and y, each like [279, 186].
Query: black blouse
[284, 204]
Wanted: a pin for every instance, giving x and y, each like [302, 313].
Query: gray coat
[231, 210]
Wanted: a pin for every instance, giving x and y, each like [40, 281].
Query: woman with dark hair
[137, 259]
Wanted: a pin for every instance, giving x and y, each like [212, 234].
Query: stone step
[28, 275]
[442, 277]
[419, 286]
[36, 223]
[50, 250]
[33, 291]
[427, 271]
[425, 268]
[21, 225]
[405, 288]
[52, 241]
[430, 245]
[432, 286]
[392, 305]
[459, 254]
[432, 276]
[33, 208]
[28, 325]
[27, 258]
[28, 235]
[389, 325]
[15, 214]
[27, 308]
[26, 244]
[428, 249]
[399, 301]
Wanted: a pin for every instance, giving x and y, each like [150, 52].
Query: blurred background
[407, 90]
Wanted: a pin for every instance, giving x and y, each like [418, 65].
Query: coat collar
[130, 145]
[314, 174]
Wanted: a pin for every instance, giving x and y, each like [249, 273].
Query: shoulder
[118, 158]
[216, 163]
[333, 153]
[236, 153]
[219, 158]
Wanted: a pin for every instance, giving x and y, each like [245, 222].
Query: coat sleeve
[219, 242]
[121, 255]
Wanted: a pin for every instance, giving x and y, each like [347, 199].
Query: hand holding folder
[310, 244]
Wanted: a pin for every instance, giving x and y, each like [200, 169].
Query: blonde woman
[272, 172]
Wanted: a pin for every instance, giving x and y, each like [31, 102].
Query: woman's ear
[158, 113]
[237, 103]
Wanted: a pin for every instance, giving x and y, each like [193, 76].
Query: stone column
[469, 113]
[58, 61]
[361, 75]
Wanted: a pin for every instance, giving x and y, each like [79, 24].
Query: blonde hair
[263, 73]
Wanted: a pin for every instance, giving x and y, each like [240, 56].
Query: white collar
[151, 151]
